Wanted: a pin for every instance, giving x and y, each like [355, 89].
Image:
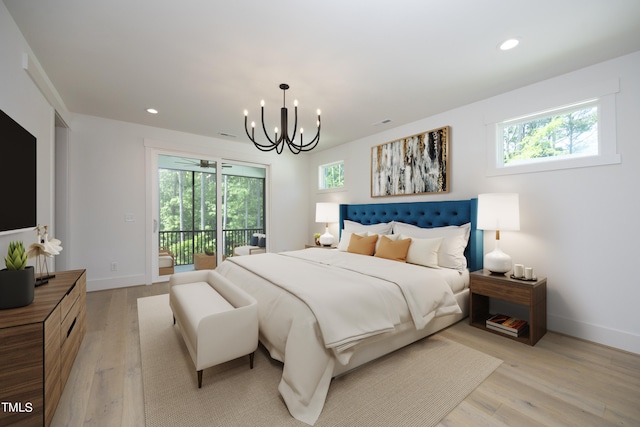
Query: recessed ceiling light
[152, 111]
[509, 44]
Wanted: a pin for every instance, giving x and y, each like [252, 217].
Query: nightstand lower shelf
[479, 321]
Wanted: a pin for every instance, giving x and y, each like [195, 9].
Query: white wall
[106, 176]
[578, 226]
[22, 101]
[107, 180]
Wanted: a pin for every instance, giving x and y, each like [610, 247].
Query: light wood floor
[559, 382]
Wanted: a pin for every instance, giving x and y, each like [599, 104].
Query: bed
[325, 312]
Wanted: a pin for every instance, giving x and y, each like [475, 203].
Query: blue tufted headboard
[426, 215]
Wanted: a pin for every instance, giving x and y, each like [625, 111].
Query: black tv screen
[18, 171]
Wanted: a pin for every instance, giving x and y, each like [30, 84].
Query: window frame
[321, 176]
[602, 95]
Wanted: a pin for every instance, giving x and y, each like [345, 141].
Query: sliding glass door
[206, 208]
[243, 204]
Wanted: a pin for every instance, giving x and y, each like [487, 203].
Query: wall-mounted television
[18, 171]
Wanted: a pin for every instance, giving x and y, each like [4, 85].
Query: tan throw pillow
[393, 250]
[362, 245]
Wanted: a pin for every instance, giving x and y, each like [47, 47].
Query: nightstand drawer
[514, 294]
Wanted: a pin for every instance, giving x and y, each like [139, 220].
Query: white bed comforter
[332, 302]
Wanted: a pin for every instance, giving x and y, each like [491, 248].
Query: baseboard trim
[118, 282]
[614, 338]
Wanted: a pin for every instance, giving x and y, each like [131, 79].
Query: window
[555, 127]
[560, 134]
[331, 176]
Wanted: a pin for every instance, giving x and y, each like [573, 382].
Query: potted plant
[316, 239]
[209, 251]
[17, 281]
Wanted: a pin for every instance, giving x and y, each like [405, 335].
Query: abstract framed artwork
[417, 164]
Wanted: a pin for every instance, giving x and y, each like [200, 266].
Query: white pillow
[379, 229]
[455, 239]
[423, 251]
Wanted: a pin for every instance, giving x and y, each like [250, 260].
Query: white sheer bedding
[317, 306]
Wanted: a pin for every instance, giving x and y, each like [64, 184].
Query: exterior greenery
[570, 133]
[187, 203]
[331, 176]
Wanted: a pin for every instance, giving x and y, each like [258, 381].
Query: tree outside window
[567, 133]
[331, 175]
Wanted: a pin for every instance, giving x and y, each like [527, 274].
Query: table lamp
[498, 211]
[327, 212]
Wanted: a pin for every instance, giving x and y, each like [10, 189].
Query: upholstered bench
[218, 321]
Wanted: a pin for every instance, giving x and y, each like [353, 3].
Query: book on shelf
[519, 333]
[507, 323]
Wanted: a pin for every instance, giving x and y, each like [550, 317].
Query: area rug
[414, 386]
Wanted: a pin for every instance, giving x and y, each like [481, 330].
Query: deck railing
[183, 244]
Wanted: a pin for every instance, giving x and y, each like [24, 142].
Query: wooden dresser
[38, 344]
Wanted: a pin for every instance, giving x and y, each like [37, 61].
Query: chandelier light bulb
[262, 103]
[246, 113]
[253, 124]
[295, 103]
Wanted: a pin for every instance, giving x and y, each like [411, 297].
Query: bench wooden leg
[174, 320]
[251, 359]
[200, 378]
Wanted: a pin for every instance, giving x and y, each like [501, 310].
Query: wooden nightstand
[485, 285]
[321, 247]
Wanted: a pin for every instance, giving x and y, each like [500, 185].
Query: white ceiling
[202, 62]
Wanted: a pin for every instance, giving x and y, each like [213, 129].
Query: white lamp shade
[499, 211]
[327, 212]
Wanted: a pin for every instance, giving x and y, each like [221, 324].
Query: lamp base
[497, 261]
[326, 239]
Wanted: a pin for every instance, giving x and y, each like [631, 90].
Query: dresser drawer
[69, 325]
[70, 337]
[69, 300]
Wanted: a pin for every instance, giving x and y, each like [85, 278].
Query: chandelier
[279, 141]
